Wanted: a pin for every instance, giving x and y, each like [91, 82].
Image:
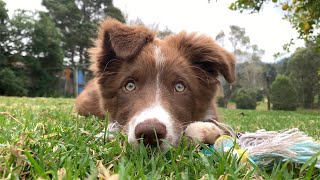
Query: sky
[267, 29]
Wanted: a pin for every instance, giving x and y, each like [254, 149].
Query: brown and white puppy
[149, 85]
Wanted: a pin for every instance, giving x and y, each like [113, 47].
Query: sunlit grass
[43, 138]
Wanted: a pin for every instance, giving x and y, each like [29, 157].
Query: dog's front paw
[205, 132]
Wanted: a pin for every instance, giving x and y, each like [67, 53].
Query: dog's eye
[130, 85]
[179, 86]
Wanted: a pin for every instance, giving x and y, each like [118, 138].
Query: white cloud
[267, 29]
[12, 5]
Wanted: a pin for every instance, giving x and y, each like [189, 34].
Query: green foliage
[46, 47]
[33, 45]
[40, 137]
[270, 71]
[116, 13]
[249, 67]
[46, 43]
[3, 12]
[21, 29]
[220, 101]
[282, 66]
[4, 34]
[302, 70]
[238, 36]
[283, 94]
[250, 75]
[245, 99]
[43, 80]
[28, 59]
[164, 33]
[11, 84]
[161, 33]
[77, 21]
[3, 60]
[240, 42]
[260, 95]
[228, 90]
[304, 15]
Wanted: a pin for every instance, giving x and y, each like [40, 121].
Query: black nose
[151, 131]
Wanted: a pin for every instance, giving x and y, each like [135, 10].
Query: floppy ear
[205, 54]
[117, 41]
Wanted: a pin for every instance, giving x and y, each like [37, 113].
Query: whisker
[117, 72]
[112, 60]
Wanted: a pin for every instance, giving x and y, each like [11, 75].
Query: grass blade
[38, 169]
[309, 161]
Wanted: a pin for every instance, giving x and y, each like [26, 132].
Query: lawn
[43, 138]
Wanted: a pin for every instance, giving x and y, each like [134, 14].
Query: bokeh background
[44, 43]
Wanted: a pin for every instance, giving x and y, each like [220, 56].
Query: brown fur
[117, 41]
[123, 53]
[87, 103]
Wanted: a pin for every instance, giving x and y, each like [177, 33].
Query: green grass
[43, 138]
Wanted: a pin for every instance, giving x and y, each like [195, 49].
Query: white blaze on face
[155, 110]
[159, 58]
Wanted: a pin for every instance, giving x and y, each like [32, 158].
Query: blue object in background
[81, 80]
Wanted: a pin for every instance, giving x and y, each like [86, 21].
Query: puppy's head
[152, 87]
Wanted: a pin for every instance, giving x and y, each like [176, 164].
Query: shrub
[245, 99]
[283, 94]
[220, 101]
[260, 95]
[10, 84]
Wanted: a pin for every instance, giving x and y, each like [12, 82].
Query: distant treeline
[299, 75]
[36, 46]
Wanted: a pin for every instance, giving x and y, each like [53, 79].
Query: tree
[249, 66]
[46, 43]
[49, 57]
[282, 65]
[304, 15]
[114, 12]
[155, 27]
[245, 99]
[220, 37]
[77, 21]
[4, 35]
[11, 84]
[3, 12]
[21, 27]
[303, 69]
[30, 51]
[240, 42]
[250, 75]
[269, 75]
[283, 94]
[164, 33]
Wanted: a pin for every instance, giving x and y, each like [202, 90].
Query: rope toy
[263, 148]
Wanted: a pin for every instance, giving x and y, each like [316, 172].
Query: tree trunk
[227, 96]
[81, 55]
[268, 93]
[75, 81]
